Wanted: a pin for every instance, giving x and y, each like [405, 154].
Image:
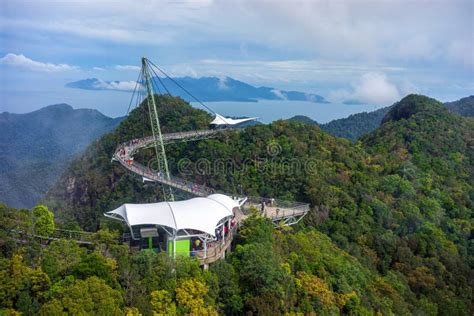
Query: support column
[155, 127]
[205, 248]
[174, 245]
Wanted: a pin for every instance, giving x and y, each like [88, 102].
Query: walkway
[280, 212]
[125, 152]
[81, 237]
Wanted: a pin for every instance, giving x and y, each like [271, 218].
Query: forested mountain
[464, 106]
[303, 119]
[36, 147]
[390, 229]
[357, 125]
[352, 127]
[209, 89]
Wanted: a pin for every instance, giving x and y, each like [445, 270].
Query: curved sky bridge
[213, 246]
[278, 210]
[203, 226]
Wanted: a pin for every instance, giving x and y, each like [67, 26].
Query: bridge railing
[279, 203]
[173, 181]
[79, 236]
[136, 144]
[276, 208]
[82, 236]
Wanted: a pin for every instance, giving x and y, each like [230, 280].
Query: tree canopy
[390, 230]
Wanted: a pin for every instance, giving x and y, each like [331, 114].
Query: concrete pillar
[174, 245]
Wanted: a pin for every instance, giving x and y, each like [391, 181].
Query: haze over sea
[269, 110]
[115, 104]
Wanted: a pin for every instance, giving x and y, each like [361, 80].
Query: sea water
[270, 110]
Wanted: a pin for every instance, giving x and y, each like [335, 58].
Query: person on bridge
[226, 230]
[197, 243]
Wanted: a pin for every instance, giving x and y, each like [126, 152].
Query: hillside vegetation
[464, 106]
[389, 231]
[36, 147]
[357, 125]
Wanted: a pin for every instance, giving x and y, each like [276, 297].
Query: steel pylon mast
[156, 129]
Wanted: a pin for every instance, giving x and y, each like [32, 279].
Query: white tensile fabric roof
[221, 120]
[199, 213]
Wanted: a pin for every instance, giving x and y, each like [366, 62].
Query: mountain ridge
[207, 89]
[400, 200]
[356, 125]
[37, 146]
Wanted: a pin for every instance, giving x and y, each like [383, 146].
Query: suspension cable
[134, 90]
[184, 89]
[158, 77]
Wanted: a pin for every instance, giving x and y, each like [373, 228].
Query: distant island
[207, 89]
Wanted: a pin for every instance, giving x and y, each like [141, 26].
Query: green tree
[162, 303]
[261, 276]
[21, 286]
[86, 297]
[12, 221]
[190, 295]
[43, 221]
[94, 264]
[60, 257]
[229, 298]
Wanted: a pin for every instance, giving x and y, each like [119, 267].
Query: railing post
[223, 234]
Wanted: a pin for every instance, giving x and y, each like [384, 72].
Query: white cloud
[281, 72]
[110, 30]
[116, 85]
[278, 94]
[314, 46]
[98, 68]
[370, 88]
[20, 61]
[221, 84]
[363, 30]
[127, 68]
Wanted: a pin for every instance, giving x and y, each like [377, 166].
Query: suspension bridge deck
[125, 152]
[81, 237]
[280, 212]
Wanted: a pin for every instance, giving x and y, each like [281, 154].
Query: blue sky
[372, 51]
